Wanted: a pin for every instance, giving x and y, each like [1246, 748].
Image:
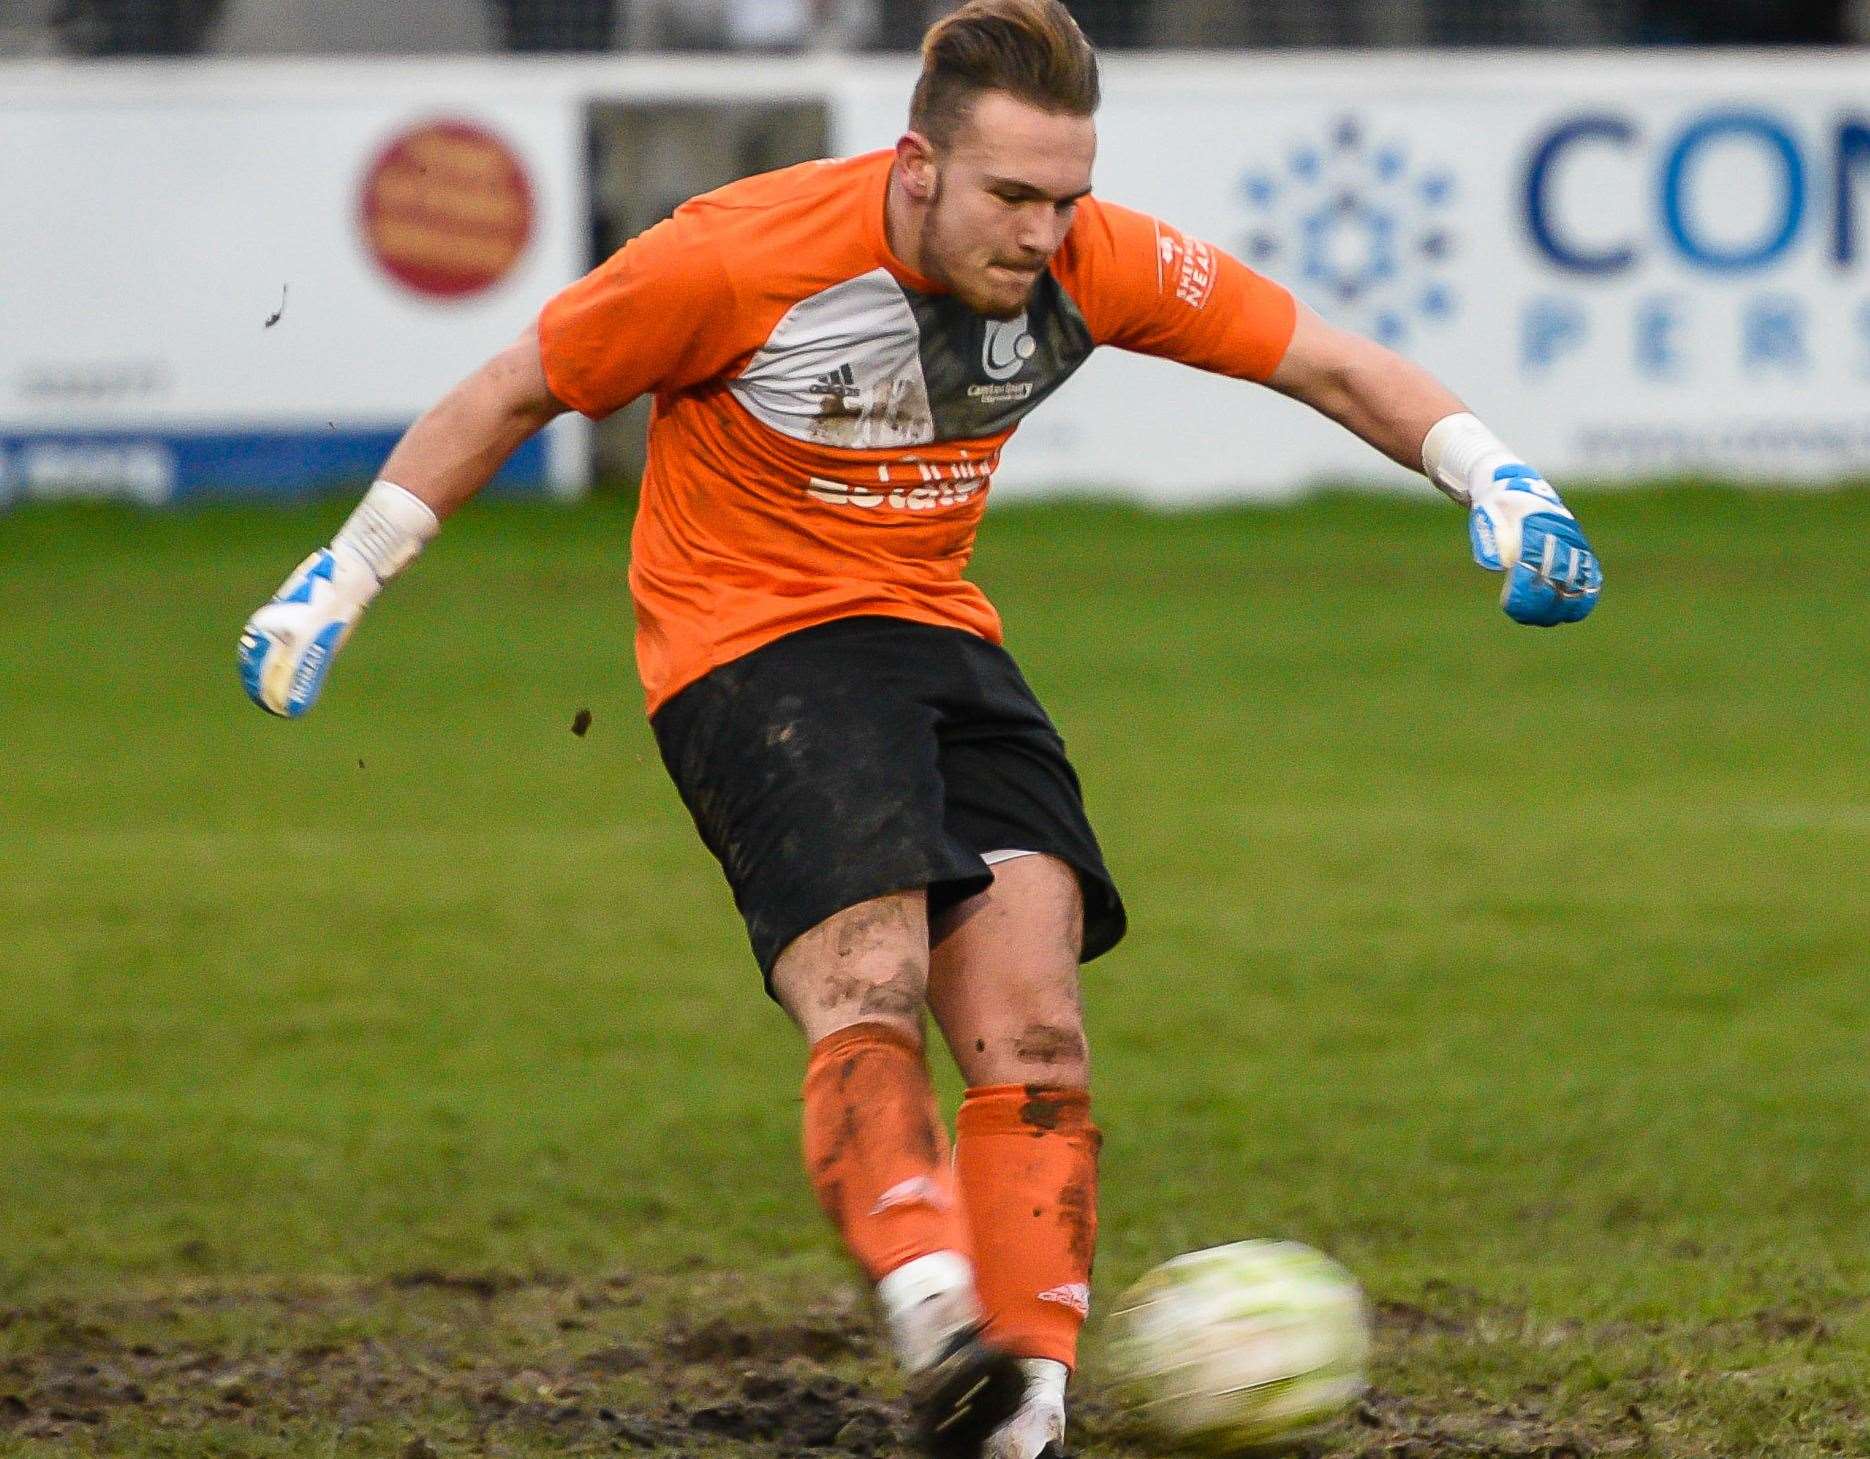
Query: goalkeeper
[838, 352]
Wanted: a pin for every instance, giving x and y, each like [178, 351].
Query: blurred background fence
[260, 27]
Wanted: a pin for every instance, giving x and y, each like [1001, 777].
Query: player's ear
[915, 165]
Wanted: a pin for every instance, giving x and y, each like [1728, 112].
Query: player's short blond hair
[1030, 49]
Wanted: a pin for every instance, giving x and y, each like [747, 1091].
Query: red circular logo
[447, 209]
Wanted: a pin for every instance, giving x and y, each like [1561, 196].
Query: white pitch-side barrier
[229, 276]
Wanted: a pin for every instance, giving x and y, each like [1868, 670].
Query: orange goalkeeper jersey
[826, 421]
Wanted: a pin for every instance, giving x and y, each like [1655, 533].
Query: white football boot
[961, 1389]
[1037, 1428]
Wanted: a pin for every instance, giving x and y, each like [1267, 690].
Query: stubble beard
[936, 265]
[994, 306]
[1001, 312]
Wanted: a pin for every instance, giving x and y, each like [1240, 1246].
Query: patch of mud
[613, 1365]
[720, 1340]
[1787, 1324]
[1405, 1319]
[1388, 1426]
[1391, 1427]
[810, 1412]
[485, 1285]
[777, 1408]
[496, 1352]
[1791, 1325]
[1461, 1314]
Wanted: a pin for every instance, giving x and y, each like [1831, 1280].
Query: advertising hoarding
[1632, 266]
[250, 276]
[213, 284]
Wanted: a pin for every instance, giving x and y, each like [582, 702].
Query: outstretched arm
[455, 447]
[1372, 392]
[1517, 523]
[449, 454]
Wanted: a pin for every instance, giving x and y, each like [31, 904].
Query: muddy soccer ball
[1245, 1347]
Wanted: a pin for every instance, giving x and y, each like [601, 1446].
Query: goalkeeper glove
[1521, 528]
[1516, 524]
[287, 647]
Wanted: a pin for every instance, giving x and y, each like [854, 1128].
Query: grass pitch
[397, 1081]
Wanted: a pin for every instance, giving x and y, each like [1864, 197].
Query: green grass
[1526, 972]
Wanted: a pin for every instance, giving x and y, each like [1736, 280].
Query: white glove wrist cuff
[1460, 456]
[390, 526]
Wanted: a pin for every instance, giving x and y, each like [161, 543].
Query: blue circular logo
[1359, 226]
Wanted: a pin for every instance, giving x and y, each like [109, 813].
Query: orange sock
[1026, 1156]
[875, 1150]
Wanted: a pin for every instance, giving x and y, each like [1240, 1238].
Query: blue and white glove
[1521, 528]
[287, 647]
[1516, 523]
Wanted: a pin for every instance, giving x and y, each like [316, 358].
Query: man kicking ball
[838, 353]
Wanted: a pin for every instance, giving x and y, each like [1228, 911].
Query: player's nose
[1040, 234]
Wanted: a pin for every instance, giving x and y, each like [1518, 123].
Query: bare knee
[866, 964]
[1032, 1050]
[823, 999]
[1049, 1046]
[871, 994]
[1005, 981]
[1028, 1034]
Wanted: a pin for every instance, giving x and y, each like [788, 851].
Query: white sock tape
[390, 526]
[1460, 456]
[926, 1301]
[1045, 1380]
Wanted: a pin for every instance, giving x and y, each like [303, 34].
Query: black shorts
[873, 755]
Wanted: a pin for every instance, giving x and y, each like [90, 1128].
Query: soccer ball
[1250, 1346]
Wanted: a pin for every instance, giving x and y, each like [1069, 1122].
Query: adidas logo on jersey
[837, 392]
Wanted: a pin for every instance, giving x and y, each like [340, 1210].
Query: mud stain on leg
[1049, 1043]
[899, 996]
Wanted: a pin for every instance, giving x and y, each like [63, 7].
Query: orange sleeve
[657, 315]
[1143, 285]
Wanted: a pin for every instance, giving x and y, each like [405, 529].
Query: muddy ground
[432, 1363]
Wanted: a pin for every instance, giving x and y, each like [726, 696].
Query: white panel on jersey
[843, 368]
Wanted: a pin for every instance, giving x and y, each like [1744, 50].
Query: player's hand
[287, 647]
[1521, 528]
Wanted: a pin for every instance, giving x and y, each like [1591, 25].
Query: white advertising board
[1631, 266]
[231, 279]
